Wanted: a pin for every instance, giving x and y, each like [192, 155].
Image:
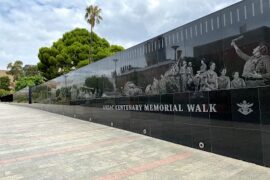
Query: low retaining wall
[234, 123]
[7, 98]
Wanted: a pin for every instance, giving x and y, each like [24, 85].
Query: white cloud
[28, 25]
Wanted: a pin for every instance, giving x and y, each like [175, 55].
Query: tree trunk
[91, 36]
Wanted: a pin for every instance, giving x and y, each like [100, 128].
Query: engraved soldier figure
[183, 76]
[155, 86]
[211, 78]
[223, 80]
[162, 84]
[202, 75]
[189, 75]
[237, 82]
[190, 70]
[263, 66]
[197, 81]
[250, 70]
[203, 67]
[172, 78]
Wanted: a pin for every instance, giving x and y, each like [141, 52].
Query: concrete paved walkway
[39, 145]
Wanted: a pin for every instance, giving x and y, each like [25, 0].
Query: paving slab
[35, 144]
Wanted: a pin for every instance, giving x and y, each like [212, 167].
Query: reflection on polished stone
[204, 84]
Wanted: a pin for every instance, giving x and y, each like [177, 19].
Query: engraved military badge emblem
[245, 108]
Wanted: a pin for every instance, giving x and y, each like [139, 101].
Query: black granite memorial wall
[204, 85]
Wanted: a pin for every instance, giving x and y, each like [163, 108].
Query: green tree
[16, 69]
[30, 70]
[72, 51]
[48, 64]
[115, 48]
[93, 17]
[4, 83]
[82, 63]
[28, 81]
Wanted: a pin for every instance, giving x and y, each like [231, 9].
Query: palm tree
[93, 17]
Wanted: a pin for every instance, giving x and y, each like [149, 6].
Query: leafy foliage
[4, 92]
[72, 51]
[4, 83]
[82, 63]
[28, 75]
[4, 86]
[28, 81]
[116, 48]
[30, 70]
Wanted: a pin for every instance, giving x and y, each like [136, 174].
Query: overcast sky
[27, 25]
